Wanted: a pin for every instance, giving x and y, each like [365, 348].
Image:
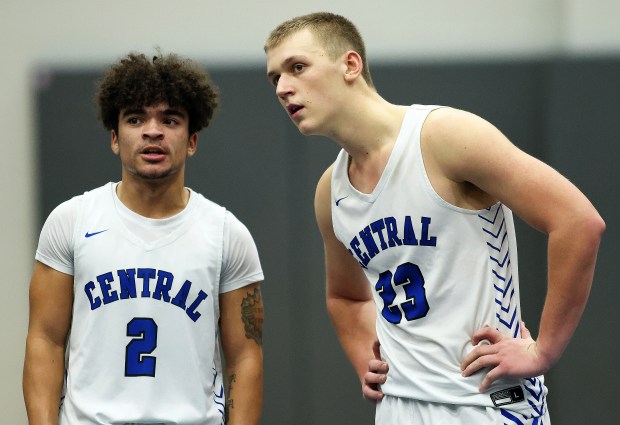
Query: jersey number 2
[137, 360]
[410, 277]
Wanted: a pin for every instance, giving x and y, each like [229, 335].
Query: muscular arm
[51, 301]
[465, 149]
[241, 325]
[349, 301]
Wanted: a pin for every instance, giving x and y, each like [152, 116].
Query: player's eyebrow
[168, 111]
[173, 112]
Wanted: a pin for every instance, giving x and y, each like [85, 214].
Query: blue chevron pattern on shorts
[514, 418]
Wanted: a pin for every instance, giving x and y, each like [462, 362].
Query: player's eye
[298, 67]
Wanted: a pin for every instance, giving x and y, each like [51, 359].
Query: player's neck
[369, 129]
[153, 199]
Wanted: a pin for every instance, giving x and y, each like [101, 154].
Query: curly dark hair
[136, 82]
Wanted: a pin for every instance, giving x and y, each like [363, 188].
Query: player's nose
[152, 129]
[284, 87]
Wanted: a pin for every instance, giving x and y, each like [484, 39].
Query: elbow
[602, 226]
[331, 304]
[584, 230]
[590, 230]
[596, 226]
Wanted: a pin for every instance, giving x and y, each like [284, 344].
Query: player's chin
[155, 174]
[307, 129]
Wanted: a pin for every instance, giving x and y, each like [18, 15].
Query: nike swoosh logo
[338, 200]
[88, 235]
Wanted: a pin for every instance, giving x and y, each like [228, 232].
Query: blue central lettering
[128, 283]
[122, 286]
[385, 233]
[146, 275]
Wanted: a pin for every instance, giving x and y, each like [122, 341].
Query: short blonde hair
[335, 33]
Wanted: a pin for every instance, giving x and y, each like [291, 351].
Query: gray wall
[253, 161]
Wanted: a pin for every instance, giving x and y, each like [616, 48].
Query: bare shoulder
[323, 186]
[471, 163]
[457, 143]
[444, 120]
[446, 129]
[322, 204]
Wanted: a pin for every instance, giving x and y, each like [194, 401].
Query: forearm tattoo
[230, 403]
[252, 316]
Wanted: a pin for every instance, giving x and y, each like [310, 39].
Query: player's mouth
[153, 153]
[293, 108]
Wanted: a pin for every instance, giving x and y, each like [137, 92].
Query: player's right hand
[376, 375]
[504, 356]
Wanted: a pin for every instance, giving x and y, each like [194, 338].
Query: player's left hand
[375, 376]
[504, 356]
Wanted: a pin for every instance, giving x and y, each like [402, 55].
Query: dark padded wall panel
[253, 161]
[74, 151]
[584, 135]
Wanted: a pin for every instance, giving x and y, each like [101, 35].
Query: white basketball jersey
[437, 272]
[144, 346]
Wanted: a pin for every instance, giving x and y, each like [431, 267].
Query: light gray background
[545, 72]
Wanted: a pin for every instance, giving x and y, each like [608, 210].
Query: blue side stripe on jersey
[494, 225]
[500, 278]
[496, 231]
[508, 324]
[503, 299]
[499, 303]
[492, 221]
[218, 395]
[501, 262]
[496, 234]
[498, 248]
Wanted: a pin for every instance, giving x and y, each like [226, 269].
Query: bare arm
[468, 150]
[241, 325]
[51, 301]
[349, 301]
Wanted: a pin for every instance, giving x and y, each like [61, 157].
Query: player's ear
[354, 65]
[114, 142]
[192, 144]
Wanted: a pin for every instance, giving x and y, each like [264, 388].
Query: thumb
[376, 350]
[525, 333]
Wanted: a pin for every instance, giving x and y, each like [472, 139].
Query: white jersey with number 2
[143, 345]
